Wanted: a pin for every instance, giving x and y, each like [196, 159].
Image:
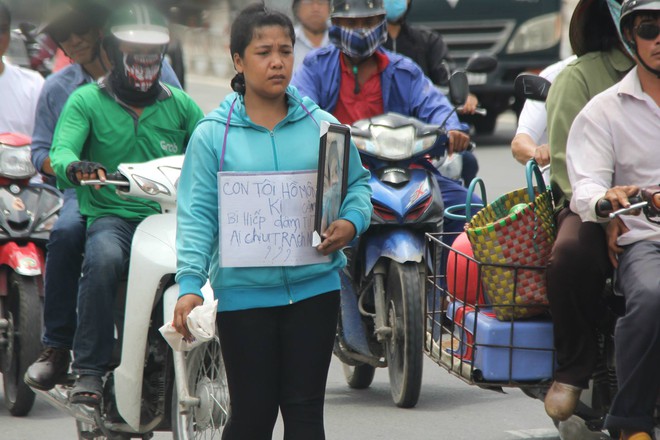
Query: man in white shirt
[311, 29]
[612, 151]
[19, 87]
[531, 139]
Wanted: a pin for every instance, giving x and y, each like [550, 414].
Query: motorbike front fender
[153, 258]
[400, 245]
[25, 260]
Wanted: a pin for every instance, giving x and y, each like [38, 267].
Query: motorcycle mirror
[458, 88]
[530, 86]
[481, 63]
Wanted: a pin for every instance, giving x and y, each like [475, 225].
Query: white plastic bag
[201, 323]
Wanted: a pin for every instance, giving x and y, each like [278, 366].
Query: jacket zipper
[277, 167]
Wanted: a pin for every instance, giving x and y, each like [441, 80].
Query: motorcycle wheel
[207, 381]
[404, 347]
[360, 376]
[23, 311]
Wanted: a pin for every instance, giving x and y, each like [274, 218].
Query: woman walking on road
[277, 323]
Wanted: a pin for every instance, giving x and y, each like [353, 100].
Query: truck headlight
[538, 33]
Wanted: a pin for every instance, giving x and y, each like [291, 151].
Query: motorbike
[382, 303]
[521, 352]
[153, 388]
[29, 211]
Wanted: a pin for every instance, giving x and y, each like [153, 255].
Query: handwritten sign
[267, 219]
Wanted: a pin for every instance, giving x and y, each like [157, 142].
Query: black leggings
[277, 358]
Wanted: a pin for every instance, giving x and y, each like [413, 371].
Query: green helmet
[138, 23]
[357, 8]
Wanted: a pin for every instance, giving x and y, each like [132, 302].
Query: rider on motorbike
[76, 26]
[618, 130]
[128, 116]
[578, 267]
[354, 78]
[429, 51]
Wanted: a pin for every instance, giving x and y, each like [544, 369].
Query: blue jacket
[405, 88]
[291, 145]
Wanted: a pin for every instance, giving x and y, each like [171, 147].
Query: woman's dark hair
[243, 28]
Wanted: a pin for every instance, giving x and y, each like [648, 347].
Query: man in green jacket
[128, 116]
[579, 265]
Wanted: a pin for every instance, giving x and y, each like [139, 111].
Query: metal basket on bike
[479, 305]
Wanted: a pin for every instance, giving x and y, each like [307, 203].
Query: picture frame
[332, 177]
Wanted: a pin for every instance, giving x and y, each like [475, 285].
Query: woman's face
[267, 63]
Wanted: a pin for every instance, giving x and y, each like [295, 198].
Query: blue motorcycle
[382, 315]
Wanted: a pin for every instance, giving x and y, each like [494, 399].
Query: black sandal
[87, 390]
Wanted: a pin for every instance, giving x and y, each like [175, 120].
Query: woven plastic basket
[522, 239]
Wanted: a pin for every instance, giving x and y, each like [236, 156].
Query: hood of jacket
[299, 108]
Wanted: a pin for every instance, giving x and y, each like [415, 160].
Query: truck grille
[464, 38]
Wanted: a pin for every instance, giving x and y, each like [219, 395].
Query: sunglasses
[63, 33]
[647, 31]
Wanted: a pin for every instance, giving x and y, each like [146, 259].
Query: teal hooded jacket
[292, 145]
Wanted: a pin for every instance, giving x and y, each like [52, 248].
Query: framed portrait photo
[332, 180]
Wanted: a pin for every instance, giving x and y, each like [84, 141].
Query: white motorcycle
[153, 388]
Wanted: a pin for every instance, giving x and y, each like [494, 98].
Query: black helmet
[357, 8]
[628, 10]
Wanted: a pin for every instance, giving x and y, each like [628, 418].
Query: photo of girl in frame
[332, 178]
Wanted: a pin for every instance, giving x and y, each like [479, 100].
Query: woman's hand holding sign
[337, 236]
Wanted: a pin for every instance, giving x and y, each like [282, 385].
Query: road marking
[542, 433]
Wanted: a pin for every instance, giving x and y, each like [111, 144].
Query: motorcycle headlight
[536, 34]
[15, 162]
[394, 143]
[149, 186]
[425, 143]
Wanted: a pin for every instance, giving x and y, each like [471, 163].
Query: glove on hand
[82, 167]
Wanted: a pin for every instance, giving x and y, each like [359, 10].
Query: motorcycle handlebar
[116, 179]
[604, 207]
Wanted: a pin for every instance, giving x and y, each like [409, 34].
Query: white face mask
[143, 70]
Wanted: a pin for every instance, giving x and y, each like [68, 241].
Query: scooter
[523, 348]
[28, 213]
[153, 388]
[381, 323]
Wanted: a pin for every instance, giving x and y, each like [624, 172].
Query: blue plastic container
[499, 357]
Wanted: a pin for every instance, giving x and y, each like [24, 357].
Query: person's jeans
[63, 262]
[470, 167]
[637, 339]
[107, 253]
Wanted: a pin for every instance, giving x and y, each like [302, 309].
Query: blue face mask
[358, 44]
[395, 9]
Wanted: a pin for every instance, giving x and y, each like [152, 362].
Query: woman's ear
[238, 63]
